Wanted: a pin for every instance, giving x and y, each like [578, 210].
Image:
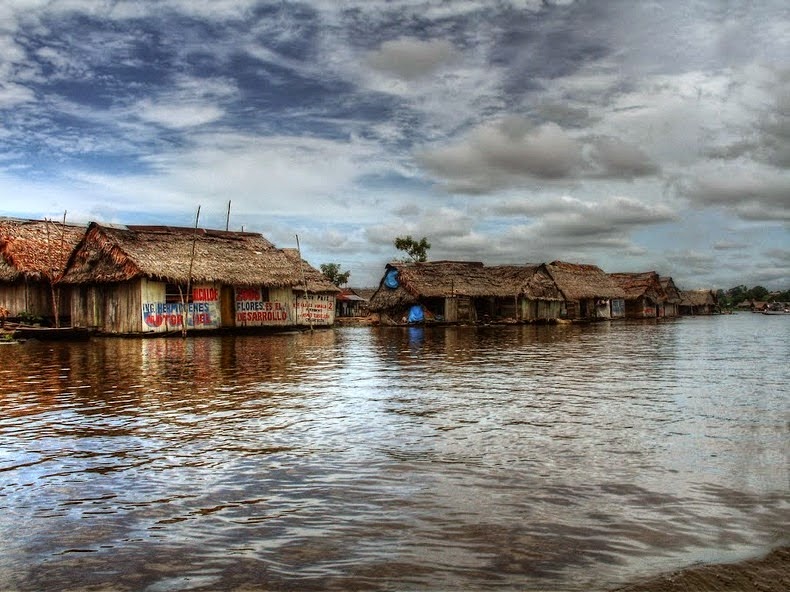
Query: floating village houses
[465, 292]
[588, 292]
[698, 302]
[643, 294]
[671, 302]
[33, 254]
[350, 303]
[158, 279]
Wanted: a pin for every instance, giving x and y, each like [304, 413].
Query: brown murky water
[507, 458]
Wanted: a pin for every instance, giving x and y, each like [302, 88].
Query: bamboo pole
[189, 279]
[227, 218]
[304, 283]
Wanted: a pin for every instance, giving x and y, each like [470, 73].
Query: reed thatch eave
[583, 282]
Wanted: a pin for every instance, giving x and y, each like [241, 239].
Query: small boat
[52, 333]
[776, 308]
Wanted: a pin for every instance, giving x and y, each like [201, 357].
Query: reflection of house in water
[33, 254]
[466, 292]
[159, 279]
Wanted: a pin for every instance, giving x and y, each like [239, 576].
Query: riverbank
[770, 573]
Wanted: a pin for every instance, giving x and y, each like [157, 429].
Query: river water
[492, 458]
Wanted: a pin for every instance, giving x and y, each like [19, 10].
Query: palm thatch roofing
[35, 249]
[697, 298]
[445, 279]
[640, 285]
[583, 282]
[671, 291]
[113, 254]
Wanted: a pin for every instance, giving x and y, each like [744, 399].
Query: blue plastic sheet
[415, 314]
[391, 279]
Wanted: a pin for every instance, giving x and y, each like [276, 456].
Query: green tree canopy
[417, 250]
[332, 272]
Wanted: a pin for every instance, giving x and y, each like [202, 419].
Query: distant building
[698, 302]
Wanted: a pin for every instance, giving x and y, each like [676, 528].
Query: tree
[758, 293]
[332, 272]
[417, 250]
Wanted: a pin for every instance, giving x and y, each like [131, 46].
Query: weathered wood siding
[34, 298]
[23, 297]
[640, 308]
[540, 310]
[451, 309]
[108, 308]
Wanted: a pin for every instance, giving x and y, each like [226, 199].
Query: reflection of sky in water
[560, 457]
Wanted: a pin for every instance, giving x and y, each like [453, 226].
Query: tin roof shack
[159, 279]
[643, 294]
[698, 302]
[349, 303]
[33, 254]
[671, 305]
[465, 292]
[588, 292]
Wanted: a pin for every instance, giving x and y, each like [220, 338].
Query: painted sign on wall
[252, 310]
[317, 309]
[202, 313]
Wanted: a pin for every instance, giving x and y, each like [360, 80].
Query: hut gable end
[581, 282]
[640, 285]
[35, 249]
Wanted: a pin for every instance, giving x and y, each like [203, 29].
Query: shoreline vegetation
[767, 573]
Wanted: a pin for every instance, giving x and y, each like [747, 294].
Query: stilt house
[644, 295]
[33, 254]
[589, 293]
[466, 292]
[159, 279]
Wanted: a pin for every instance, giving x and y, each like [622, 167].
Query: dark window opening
[177, 293]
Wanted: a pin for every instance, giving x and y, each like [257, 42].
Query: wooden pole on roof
[184, 304]
[304, 283]
[227, 219]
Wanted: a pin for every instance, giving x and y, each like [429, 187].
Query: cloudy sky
[633, 135]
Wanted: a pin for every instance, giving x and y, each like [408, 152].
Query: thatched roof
[697, 298]
[640, 285]
[581, 282]
[35, 249]
[110, 254]
[444, 279]
[671, 291]
[316, 281]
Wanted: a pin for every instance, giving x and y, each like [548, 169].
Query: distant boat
[53, 333]
[776, 308]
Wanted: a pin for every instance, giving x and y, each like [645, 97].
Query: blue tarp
[415, 314]
[391, 279]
